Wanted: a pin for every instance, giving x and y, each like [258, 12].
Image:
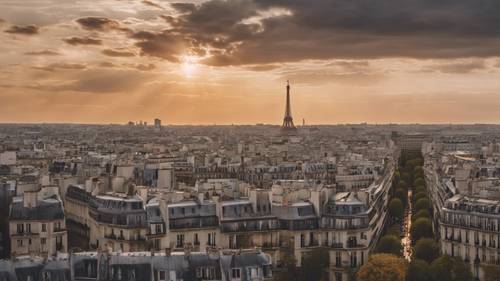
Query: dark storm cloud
[117, 53]
[331, 29]
[42, 53]
[23, 29]
[82, 41]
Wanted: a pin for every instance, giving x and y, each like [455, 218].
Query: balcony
[336, 245]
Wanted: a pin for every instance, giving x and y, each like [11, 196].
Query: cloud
[144, 67]
[98, 23]
[23, 29]
[152, 4]
[98, 81]
[42, 53]
[459, 67]
[82, 41]
[66, 66]
[250, 32]
[316, 77]
[117, 53]
[165, 45]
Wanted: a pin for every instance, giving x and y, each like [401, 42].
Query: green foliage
[407, 178]
[419, 182]
[421, 214]
[419, 195]
[383, 267]
[288, 269]
[396, 209]
[491, 272]
[401, 194]
[315, 265]
[447, 268]
[419, 188]
[402, 185]
[422, 227]
[422, 204]
[418, 169]
[418, 270]
[394, 230]
[426, 249]
[390, 244]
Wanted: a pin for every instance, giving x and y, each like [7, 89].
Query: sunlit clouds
[226, 62]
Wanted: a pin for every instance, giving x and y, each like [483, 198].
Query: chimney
[30, 199]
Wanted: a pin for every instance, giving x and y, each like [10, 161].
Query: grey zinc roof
[7, 270]
[294, 211]
[45, 210]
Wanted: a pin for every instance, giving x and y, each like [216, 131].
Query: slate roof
[49, 209]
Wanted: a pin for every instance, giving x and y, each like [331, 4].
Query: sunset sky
[227, 62]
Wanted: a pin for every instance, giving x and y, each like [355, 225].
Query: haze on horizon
[226, 62]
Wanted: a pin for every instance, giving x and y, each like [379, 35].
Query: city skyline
[226, 62]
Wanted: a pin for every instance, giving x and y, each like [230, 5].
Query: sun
[189, 65]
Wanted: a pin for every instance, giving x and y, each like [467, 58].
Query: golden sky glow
[226, 62]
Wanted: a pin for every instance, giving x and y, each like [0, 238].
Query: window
[163, 275]
[180, 240]
[19, 243]
[44, 227]
[253, 272]
[43, 241]
[28, 228]
[196, 240]
[236, 273]
[158, 229]
[211, 239]
[205, 273]
[20, 228]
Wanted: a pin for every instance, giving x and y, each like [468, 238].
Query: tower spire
[288, 125]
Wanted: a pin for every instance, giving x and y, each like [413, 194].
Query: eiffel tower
[288, 126]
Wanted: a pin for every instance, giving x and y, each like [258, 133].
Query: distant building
[157, 123]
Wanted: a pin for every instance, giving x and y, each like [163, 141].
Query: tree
[389, 244]
[421, 214]
[314, 265]
[407, 178]
[418, 182]
[396, 209]
[422, 204]
[420, 188]
[402, 185]
[422, 227]
[401, 194]
[394, 230]
[418, 270]
[491, 272]
[446, 268]
[418, 169]
[288, 270]
[383, 267]
[426, 249]
[419, 195]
